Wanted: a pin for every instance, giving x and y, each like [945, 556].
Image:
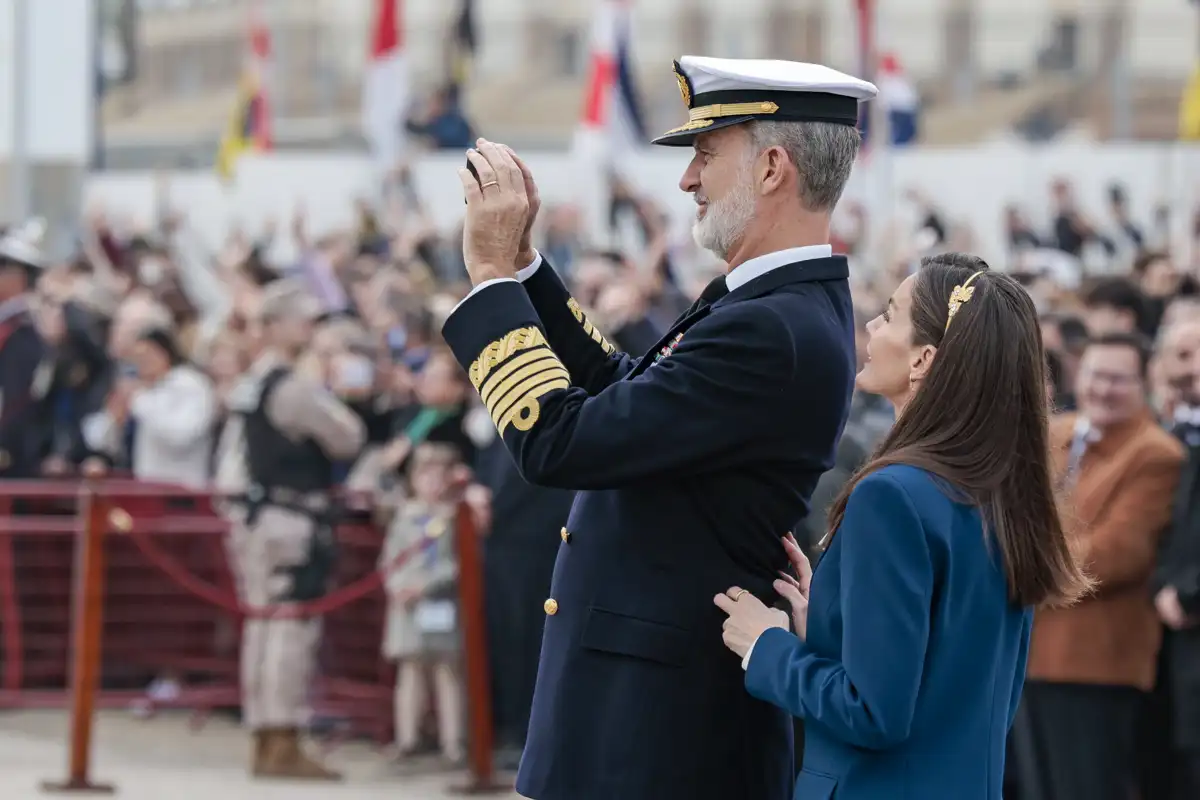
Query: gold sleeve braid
[589, 328]
[513, 373]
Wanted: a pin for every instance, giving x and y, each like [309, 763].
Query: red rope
[344, 596]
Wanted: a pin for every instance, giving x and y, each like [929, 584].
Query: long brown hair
[979, 422]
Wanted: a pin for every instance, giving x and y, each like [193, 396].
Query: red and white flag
[611, 124]
[385, 85]
[612, 118]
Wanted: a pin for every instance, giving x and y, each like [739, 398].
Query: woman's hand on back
[795, 589]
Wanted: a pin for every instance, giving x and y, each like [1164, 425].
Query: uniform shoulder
[755, 313]
[750, 326]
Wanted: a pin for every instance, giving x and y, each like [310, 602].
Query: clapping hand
[526, 254]
[497, 212]
[795, 590]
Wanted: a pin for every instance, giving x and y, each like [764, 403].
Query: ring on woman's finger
[489, 183]
[741, 592]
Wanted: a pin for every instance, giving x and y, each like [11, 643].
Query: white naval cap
[719, 92]
[20, 245]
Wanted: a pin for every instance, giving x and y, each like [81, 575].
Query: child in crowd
[421, 633]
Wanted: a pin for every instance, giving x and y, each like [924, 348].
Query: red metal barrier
[106, 585]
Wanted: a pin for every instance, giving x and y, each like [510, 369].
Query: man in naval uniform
[276, 462]
[24, 428]
[693, 460]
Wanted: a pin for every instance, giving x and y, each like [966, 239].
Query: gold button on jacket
[551, 606]
[566, 535]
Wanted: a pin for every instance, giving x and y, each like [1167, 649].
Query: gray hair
[823, 153]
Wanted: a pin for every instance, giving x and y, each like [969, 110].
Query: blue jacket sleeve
[590, 358]
[1019, 673]
[715, 403]
[868, 699]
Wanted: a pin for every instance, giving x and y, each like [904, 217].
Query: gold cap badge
[685, 86]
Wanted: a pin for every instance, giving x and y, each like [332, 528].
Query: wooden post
[87, 623]
[475, 657]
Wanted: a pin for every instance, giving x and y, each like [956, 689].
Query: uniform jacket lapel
[817, 269]
[689, 319]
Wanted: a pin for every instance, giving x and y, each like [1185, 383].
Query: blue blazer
[914, 658]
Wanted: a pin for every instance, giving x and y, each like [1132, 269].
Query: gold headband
[961, 294]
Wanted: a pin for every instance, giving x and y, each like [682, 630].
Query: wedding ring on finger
[738, 596]
[489, 183]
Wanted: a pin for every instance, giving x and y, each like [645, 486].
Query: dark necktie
[715, 290]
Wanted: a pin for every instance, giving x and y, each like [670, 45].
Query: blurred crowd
[148, 332]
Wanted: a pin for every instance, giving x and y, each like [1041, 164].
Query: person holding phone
[689, 461]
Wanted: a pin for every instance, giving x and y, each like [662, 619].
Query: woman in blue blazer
[907, 657]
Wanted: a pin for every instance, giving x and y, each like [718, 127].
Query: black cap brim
[710, 111]
[686, 135]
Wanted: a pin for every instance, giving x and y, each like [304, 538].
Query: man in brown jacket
[1091, 664]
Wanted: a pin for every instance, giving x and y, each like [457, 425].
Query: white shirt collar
[757, 267]
[1086, 432]
[1187, 415]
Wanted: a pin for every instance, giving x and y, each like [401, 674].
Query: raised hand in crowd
[620, 303]
[794, 589]
[394, 453]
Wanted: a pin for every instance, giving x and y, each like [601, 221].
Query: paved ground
[162, 759]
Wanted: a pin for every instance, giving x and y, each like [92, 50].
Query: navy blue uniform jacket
[692, 462]
[915, 658]
[24, 430]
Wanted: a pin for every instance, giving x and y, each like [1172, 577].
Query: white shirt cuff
[522, 276]
[528, 272]
[750, 652]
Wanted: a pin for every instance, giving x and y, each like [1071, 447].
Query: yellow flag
[242, 133]
[1189, 108]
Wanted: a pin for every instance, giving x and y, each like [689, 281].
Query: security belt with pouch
[310, 578]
